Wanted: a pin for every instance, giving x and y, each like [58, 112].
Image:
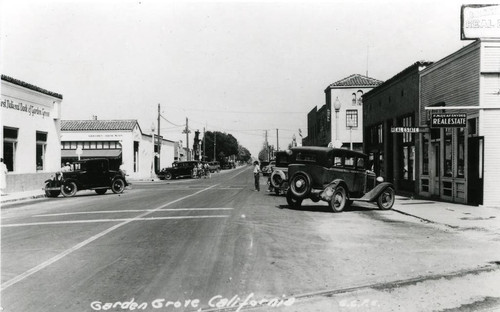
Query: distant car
[337, 176]
[178, 169]
[229, 165]
[91, 174]
[214, 166]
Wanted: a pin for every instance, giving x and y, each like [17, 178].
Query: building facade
[460, 163]
[31, 134]
[340, 121]
[390, 117]
[120, 141]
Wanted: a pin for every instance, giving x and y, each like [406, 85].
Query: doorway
[475, 170]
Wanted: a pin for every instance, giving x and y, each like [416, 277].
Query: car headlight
[380, 179]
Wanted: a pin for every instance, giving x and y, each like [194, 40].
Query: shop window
[41, 147]
[105, 145]
[448, 165]
[86, 145]
[407, 123]
[98, 145]
[73, 145]
[472, 126]
[354, 99]
[380, 134]
[352, 118]
[460, 152]
[10, 147]
[425, 155]
[93, 145]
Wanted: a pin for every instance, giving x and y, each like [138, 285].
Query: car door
[97, 174]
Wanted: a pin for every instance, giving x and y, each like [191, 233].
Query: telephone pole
[203, 158]
[159, 142]
[277, 140]
[215, 135]
[187, 131]
[267, 147]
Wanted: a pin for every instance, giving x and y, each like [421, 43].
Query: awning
[93, 153]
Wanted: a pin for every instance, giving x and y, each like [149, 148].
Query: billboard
[480, 21]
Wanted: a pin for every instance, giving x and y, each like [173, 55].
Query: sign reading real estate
[458, 120]
[480, 21]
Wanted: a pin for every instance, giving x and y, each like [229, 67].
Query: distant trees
[225, 145]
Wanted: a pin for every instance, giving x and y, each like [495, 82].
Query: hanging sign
[449, 120]
[480, 21]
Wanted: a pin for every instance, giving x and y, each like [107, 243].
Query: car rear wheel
[101, 191]
[386, 200]
[339, 199]
[300, 184]
[68, 189]
[293, 202]
[51, 193]
[117, 186]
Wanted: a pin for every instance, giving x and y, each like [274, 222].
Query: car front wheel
[68, 189]
[51, 193]
[117, 186]
[168, 176]
[339, 199]
[386, 200]
[293, 202]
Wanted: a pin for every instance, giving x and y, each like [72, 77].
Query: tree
[244, 154]
[225, 145]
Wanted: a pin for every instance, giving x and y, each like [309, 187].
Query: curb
[23, 198]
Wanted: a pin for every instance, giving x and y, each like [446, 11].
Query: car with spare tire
[337, 176]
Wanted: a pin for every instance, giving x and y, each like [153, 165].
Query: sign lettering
[31, 110]
[448, 120]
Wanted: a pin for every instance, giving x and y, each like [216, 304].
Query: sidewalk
[456, 216]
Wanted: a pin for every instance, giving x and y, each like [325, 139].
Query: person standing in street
[3, 177]
[256, 175]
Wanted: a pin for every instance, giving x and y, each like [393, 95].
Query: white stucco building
[30, 129]
[120, 141]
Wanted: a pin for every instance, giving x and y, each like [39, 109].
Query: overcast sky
[239, 67]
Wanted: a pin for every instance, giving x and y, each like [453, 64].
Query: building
[390, 112]
[120, 141]
[340, 121]
[31, 130]
[459, 156]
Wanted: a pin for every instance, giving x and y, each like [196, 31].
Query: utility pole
[267, 147]
[277, 140]
[159, 142]
[215, 135]
[187, 131]
[203, 158]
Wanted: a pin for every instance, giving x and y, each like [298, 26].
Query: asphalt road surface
[217, 245]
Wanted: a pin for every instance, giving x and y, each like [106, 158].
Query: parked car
[214, 166]
[90, 174]
[337, 176]
[266, 171]
[178, 169]
[278, 179]
[229, 165]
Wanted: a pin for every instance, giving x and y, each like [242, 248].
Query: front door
[475, 171]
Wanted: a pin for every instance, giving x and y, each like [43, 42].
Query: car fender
[332, 186]
[374, 193]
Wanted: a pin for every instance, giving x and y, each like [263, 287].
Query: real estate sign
[480, 21]
[458, 120]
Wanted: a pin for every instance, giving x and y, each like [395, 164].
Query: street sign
[409, 130]
[458, 120]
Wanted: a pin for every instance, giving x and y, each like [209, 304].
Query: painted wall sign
[449, 120]
[480, 21]
[31, 110]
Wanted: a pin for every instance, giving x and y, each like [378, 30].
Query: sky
[240, 67]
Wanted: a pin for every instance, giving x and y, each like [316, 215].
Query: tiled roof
[356, 80]
[30, 86]
[97, 125]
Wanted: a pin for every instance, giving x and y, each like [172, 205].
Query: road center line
[124, 211]
[114, 220]
[63, 254]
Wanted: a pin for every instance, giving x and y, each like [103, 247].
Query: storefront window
[41, 147]
[425, 154]
[448, 152]
[9, 147]
[460, 152]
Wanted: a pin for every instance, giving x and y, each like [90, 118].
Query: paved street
[215, 244]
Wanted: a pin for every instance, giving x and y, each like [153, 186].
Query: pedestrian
[66, 168]
[256, 175]
[3, 177]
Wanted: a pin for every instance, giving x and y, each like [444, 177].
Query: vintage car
[268, 169]
[337, 176]
[214, 166]
[278, 179]
[178, 169]
[90, 174]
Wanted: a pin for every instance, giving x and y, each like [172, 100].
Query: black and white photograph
[250, 155]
